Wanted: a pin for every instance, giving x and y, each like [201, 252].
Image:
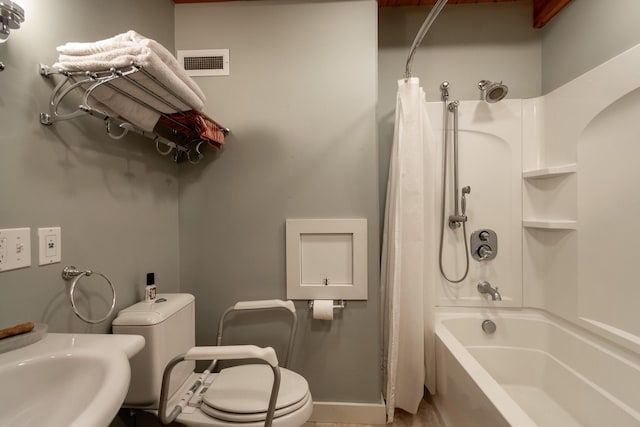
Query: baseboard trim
[349, 413]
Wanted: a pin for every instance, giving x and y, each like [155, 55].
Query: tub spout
[486, 288]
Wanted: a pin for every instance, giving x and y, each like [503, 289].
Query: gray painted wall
[300, 102]
[116, 201]
[585, 34]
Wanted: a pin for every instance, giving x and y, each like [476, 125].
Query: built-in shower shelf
[550, 224]
[550, 172]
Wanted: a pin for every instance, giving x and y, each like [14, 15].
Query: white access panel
[15, 248]
[336, 252]
[327, 259]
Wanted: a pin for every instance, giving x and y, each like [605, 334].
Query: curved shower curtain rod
[433, 14]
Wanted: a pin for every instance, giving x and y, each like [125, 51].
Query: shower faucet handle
[484, 244]
[484, 252]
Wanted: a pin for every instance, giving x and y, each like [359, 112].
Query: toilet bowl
[163, 380]
[239, 395]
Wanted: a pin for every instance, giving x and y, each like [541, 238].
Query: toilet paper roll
[323, 309]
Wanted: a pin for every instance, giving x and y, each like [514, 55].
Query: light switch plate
[15, 248]
[50, 245]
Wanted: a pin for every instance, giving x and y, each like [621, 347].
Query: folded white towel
[90, 48]
[131, 39]
[118, 52]
[119, 58]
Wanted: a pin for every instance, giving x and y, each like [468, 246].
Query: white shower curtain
[407, 261]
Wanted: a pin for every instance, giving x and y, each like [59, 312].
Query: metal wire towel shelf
[176, 135]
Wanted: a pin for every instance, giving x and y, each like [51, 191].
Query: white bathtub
[535, 370]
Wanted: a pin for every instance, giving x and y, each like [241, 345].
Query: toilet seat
[226, 400]
[199, 419]
[203, 415]
[261, 416]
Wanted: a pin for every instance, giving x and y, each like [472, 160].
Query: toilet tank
[168, 327]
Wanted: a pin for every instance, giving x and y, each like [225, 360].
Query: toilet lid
[246, 389]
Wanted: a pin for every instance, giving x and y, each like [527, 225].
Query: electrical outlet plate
[15, 248]
[49, 245]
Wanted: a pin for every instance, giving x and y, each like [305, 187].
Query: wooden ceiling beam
[543, 10]
[201, 1]
[396, 3]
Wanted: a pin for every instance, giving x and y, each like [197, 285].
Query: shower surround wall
[300, 102]
[579, 253]
[116, 201]
[490, 162]
[576, 166]
[559, 241]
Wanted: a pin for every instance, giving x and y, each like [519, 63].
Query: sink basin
[66, 380]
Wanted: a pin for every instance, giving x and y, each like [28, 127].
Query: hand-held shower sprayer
[459, 217]
[463, 201]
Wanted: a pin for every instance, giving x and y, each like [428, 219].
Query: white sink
[77, 380]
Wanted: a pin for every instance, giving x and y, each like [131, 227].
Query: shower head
[491, 91]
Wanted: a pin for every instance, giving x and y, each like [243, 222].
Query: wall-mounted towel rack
[133, 100]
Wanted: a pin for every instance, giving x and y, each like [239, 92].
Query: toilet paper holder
[337, 304]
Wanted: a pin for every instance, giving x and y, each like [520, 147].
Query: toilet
[235, 396]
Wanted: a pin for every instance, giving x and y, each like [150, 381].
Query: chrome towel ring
[73, 274]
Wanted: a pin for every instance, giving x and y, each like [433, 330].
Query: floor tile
[426, 417]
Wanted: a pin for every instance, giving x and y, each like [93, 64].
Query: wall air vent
[208, 62]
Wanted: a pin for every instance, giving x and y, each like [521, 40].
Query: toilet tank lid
[152, 313]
